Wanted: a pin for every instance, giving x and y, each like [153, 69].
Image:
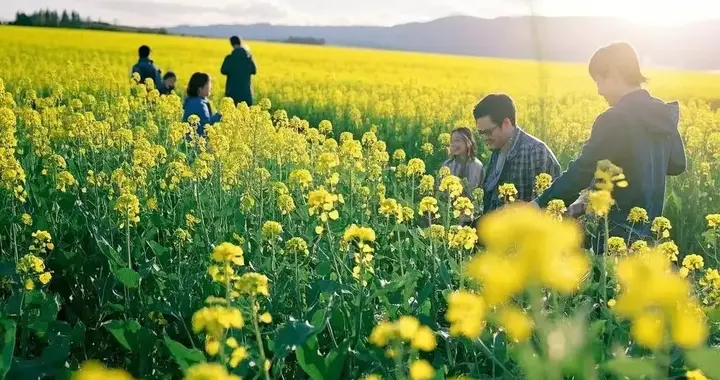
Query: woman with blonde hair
[462, 162]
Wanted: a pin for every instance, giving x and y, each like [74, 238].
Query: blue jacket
[640, 135]
[196, 105]
[146, 68]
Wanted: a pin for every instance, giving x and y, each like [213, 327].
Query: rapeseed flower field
[314, 234]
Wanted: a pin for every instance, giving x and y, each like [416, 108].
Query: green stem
[399, 368]
[261, 348]
[603, 272]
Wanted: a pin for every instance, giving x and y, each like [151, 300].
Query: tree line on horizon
[72, 19]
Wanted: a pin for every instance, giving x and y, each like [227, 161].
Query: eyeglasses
[488, 132]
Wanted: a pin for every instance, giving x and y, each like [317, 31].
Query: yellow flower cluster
[524, 246]
[128, 206]
[406, 329]
[362, 238]
[638, 215]
[252, 284]
[508, 192]
[271, 230]
[214, 321]
[654, 297]
[661, 227]
[452, 185]
[428, 206]
[435, 233]
[207, 371]
[556, 209]
[323, 204]
[607, 176]
[94, 370]
[227, 255]
[542, 183]
[466, 314]
[415, 167]
[12, 175]
[462, 238]
[297, 245]
[427, 185]
[463, 207]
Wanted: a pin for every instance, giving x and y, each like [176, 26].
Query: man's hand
[576, 209]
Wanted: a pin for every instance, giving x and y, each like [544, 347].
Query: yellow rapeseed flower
[27, 219]
[421, 370]
[507, 192]
[452, 185]
[696, 375]
[693, 262]
[208, 371]
[428, 205]
[638, 215]
[542, 183]
[228, 253]
[466, 314]
[600, 202]
[518, 325]
[661, 227]
[94, 370]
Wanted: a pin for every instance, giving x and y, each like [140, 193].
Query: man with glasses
[517, 157]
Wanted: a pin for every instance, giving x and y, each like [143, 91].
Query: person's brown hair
[620, 57]
[469, 138]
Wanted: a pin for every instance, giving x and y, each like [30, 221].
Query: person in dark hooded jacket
[145, 67]
[239, 67]
[639, 133]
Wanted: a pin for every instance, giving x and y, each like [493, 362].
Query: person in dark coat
[167, 85]
[197, 104]
[145, 67]
[239, 68]
[638, 133]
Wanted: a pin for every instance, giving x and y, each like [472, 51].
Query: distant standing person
[145, 67]
[197, 103]
[167, 85]
[239, 68]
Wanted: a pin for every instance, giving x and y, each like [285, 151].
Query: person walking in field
[517, 157]
[462, 162]
[145, 67]
[167, 85]
[638, 133]
[239, 67]
[197, 104]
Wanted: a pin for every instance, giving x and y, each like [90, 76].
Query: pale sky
[360, 12]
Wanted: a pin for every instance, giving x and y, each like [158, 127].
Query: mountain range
[691, 46]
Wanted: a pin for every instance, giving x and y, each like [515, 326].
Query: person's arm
[475, 176]
[253, 67]
[603, 140]
[225, 69]
[677, 163]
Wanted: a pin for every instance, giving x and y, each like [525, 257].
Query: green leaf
[335, 361]
[124, 332]
[633, 368]
[8, 345]
[500, 346]
[158, 249]
[128, 277]
[319, 368]
[291, 335]
[309, 359]
[184, 357]
[114, 258]
[707, 360]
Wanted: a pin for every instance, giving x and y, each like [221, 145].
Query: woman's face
[458, 145]
[205, 90]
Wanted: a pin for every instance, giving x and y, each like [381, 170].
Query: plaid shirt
[527, 157]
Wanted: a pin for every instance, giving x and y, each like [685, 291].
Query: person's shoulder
[476, 161]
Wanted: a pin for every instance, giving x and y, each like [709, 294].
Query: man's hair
[235, 41]
[497, 106]
[619, 57]
[169, 75]
[144, 51]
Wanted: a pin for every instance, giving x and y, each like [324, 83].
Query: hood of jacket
[655, 116]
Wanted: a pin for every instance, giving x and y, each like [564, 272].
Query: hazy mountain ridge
[692, 46]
